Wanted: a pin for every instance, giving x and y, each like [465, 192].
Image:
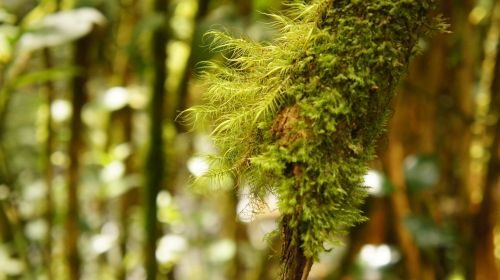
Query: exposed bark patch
[295, 265]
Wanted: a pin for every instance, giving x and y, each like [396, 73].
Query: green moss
[300, 116]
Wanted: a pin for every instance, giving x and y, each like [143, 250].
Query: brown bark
[295, 265]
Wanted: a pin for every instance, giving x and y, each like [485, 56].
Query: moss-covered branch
[300, 116]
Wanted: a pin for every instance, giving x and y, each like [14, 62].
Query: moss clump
[300, 116]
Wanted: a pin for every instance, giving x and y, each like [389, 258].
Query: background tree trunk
[81, 59]
[155, 161]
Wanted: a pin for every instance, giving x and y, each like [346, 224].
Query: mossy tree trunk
[301, 116]
[356, 133]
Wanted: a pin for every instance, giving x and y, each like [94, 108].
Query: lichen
[300, 116]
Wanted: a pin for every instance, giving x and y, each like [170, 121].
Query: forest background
[95, 169]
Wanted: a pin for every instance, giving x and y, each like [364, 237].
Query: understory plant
[300, 116]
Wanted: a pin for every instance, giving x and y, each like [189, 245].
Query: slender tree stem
[487, 217]
[79, 90]
[49, 172]
[155, 164]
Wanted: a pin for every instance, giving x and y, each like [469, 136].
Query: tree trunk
[309, 110]
[487, 216]
[49, 172]
[155, 164]
[485, 221]
[182, 94]
[81, 59]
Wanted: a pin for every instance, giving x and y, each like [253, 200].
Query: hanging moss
[300, 116]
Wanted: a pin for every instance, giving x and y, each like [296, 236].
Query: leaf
[60, 28]
[6, 17]
[45, 75]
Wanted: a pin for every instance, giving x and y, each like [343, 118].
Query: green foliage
[300, 116]
[427, 233]
[421, 172]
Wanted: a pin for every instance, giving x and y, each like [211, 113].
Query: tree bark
[310, 111]
[295, 265]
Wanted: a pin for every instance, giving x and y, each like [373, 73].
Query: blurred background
[96, 172]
